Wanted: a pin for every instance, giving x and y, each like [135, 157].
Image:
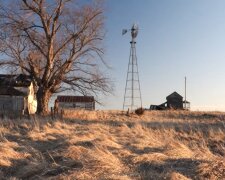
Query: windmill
[132, 95]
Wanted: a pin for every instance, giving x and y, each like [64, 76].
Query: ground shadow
[177, 126]
[45, 161]
[145, 150]
[196, 116]
[185, 166]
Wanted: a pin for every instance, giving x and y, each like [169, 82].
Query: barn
[76, 102]
[17, 95]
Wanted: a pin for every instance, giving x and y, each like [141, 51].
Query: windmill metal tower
[132, 95]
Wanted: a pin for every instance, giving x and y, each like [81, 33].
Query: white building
[17, 95]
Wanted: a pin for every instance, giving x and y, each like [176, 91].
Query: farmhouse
[173, 101]
[17, 95]
[76, 102]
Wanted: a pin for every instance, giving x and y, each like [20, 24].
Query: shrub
[140, 111]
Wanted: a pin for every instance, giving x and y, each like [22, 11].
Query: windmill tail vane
[124, 31]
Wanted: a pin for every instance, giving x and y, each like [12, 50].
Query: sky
[177, 38]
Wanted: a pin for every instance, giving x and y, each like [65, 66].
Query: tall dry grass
[112, 145]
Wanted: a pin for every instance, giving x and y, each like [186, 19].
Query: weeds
[139, 111]
[111, 145]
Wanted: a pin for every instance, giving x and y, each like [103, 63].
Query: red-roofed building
[76, 102]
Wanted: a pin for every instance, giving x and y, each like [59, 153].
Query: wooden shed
[17, 95]
[76, 102]
[174, 101]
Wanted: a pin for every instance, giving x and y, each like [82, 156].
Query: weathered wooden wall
[175, 102]
[77, 105]
[11, 104]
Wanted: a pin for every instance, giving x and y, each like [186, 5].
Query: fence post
[128, 112]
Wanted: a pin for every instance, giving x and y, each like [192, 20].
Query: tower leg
[132, 95]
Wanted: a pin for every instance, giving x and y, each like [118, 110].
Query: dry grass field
[111, 145]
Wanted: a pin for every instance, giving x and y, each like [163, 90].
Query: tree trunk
[43, 97]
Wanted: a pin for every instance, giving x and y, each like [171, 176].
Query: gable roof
[10, 91]
[174, 94]
[75, 98]
[19, 80]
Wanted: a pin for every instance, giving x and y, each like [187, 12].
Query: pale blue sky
[177, 38]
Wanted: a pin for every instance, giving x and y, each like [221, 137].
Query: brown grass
[111, 145]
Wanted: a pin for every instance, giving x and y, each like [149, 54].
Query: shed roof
[10, 91]
[186, 101]
[174, 94]
[75, 98]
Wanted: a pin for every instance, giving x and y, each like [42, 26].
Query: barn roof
[174, 94]
[75, 98]
[10, 91]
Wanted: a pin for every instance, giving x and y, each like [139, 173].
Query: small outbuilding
[76, 102]
[173, 101]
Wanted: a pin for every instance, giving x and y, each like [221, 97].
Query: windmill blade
[124, 31]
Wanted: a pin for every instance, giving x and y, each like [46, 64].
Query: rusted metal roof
[10, 91]
[75, 98]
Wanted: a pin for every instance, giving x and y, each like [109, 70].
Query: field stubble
[112, 145]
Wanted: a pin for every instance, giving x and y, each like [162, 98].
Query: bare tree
[57, 42]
